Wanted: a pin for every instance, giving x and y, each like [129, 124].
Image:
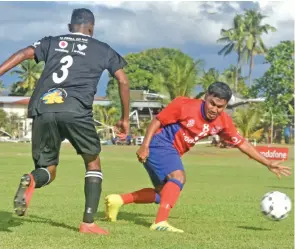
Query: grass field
[218, 208]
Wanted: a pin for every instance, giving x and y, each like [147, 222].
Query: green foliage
[228, 77]
[255, 29]
[245, 38]
[161, 70]
[277, 84]
[247, 119]
[3, 119]
[16, 90]
[106, 115]
[1, 86]
[234, 38]
[28, 73]
[9, 123]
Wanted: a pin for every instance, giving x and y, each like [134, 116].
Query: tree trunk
[237, 73]
[251, 67]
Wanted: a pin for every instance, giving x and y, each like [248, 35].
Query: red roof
[23, 101]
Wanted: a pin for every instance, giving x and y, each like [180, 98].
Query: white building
[18, 106]
[141, 107]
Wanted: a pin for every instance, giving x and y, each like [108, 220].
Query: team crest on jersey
[54, 96]
[190, 123]
[63, 44]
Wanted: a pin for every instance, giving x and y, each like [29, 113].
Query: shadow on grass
[136, 218]
[9, 220]
[280, 187]
[254, 228]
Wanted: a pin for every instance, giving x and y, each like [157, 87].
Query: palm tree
[247, 119]
[28, 73]
[230, 76]
[1, 86]
[255, 30]
[182, 78]
[209, 77]
[235, 41]
[106, 115]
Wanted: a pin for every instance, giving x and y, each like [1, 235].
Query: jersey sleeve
[230, 134]
[41, 49]
[173, 112]
[114, 61]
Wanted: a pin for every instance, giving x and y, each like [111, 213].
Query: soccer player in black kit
[61, 108]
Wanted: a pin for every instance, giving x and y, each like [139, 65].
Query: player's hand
[278, 169]
[142, 154]
[122, 128]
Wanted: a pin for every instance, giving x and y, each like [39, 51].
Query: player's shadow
[136, 218]
[280, 187]
[8, 220]
[254, 228]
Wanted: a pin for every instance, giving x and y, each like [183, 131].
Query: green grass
[218, 208]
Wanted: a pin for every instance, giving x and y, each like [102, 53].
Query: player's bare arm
[17, 58]
[123, 82]
[274, 167]
[143, 151]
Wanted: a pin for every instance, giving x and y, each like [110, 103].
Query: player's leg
[45, 151]
[175, 179]
[114, 202]
[80, 131]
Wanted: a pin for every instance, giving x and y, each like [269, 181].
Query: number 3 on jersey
[65, 72]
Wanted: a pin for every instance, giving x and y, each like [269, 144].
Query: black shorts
[50, 129]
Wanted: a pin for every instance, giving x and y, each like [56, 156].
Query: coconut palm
[235, 41]
[28, 73]
[229, 76]
[183, 77]
[105, 115]
[255, 30]
[247, 119]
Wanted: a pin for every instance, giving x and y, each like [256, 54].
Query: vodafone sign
[275, 153]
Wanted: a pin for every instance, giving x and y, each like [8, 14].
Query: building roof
[14, 100]
[97, 101]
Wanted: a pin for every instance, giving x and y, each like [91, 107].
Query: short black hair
[82, 16]
[220, 90]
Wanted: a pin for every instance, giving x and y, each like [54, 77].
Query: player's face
[214, 106]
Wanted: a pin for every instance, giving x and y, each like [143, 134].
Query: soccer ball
[275, 205]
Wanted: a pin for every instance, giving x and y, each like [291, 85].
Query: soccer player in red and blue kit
[172, 133]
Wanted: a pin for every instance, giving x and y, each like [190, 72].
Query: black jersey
[73, 66]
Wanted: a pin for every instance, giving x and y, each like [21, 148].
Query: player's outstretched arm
[274, 167]
[143, 151]
[17, 58]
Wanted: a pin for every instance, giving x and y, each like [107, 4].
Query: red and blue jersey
[183, 124]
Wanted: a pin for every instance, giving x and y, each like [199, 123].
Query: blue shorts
[161, 162]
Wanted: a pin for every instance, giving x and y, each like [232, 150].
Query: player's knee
[92, 162]
[159, 188]
[178, 175]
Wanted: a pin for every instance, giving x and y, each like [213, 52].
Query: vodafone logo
[273, 153]
[63, 44]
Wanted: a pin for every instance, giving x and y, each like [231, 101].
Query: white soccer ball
[275, 205]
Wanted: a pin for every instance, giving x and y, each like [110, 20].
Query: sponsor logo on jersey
[190, 123]
[54, 96]
[63, 44]
[81, 47]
